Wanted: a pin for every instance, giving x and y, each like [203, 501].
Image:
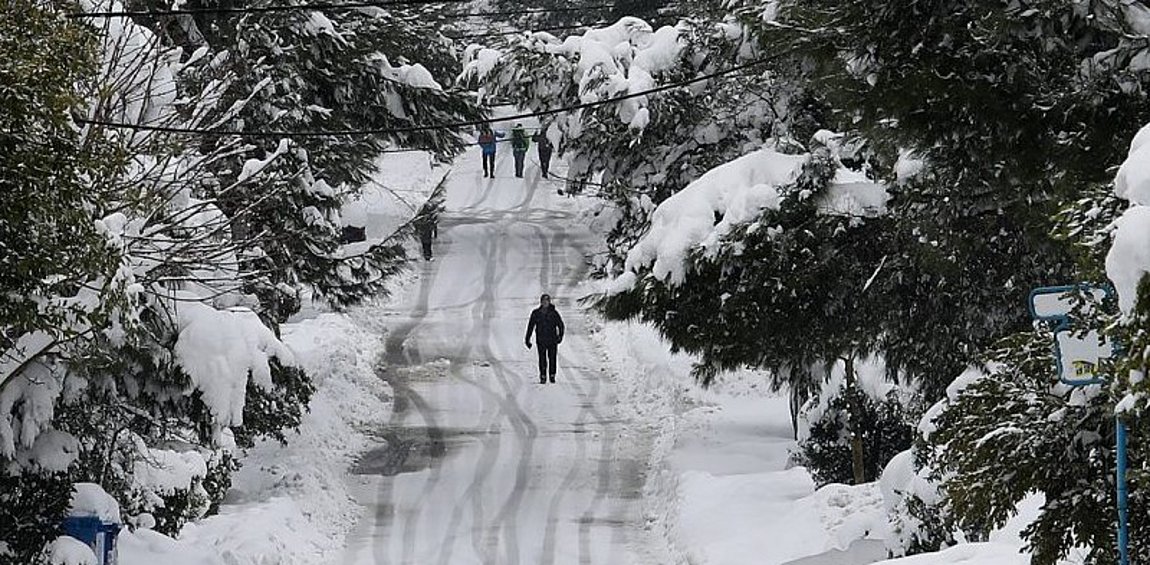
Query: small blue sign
[1077, 353]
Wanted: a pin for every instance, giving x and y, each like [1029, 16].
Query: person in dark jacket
[487, 141]
[519, 144]
[427, 227]
[548, 327]
[545, 148]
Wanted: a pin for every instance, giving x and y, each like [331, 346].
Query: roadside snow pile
[147, 547]
[289, 503]
[66, 550]
[718, 490]
[1129, 256]
[740, 503]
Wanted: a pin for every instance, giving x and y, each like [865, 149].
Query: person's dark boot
[552, 378]
[542, 380]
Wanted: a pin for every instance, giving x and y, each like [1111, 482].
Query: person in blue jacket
[487, 140]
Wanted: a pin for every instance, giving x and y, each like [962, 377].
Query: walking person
[487, 141]
[548, 327]
[545, 147]
[427, 227]
[519, 144]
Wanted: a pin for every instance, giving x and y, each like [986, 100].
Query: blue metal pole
[1123, 535]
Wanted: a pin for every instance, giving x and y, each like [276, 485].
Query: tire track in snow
[607, 438]
[488, 183]
[504, 525]
[586, 409]
[395, 357]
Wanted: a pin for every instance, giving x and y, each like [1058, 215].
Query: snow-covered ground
[479, 463]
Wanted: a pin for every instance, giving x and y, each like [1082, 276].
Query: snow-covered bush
[867, 407]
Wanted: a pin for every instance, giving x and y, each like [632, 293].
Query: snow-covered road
[481, 463]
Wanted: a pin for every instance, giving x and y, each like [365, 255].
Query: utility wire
[260, 9]
[329, 6]
[414, 129]
[548, 29]
[520, 31]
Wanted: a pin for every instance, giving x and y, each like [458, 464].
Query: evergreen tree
[314, 71]
[1007, 133]
[170, 242]
[49, 245]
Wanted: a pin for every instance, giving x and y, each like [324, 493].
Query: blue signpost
[1078, 358]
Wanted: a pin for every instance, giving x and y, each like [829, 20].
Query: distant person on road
[487, 141]
[519, 144]
[548, 327]
[545, 148]
[427, 227]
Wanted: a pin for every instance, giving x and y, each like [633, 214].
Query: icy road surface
[481, 463]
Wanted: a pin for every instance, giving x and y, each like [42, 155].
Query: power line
[260, 9]
[331, 7]
[414, 129]
[518, 31]
[556, 28]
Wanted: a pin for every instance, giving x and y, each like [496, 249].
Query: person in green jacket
[519, 144]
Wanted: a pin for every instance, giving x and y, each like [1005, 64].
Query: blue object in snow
[96, 534]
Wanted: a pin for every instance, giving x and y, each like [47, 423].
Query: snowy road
[482, 464]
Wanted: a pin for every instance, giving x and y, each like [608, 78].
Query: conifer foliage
[142, 300]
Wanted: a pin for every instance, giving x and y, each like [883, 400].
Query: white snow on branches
[90, 499]
[220, 349]
[620, 59]
[1129, 257]
[736, 192]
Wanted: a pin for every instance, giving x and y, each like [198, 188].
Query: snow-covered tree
[1012, 109]
[150, 354]
[315, 71]
[640, 151]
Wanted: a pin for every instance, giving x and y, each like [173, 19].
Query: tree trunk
[857, 461]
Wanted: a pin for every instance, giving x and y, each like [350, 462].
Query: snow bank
[289, 504]
[146, 547]
[737, 191]
[973, 553]
[773, 517]
[718, 490]
[1129, 256]
[66, 550]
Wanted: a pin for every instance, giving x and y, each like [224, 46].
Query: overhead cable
[422, 128]
[317, 6]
